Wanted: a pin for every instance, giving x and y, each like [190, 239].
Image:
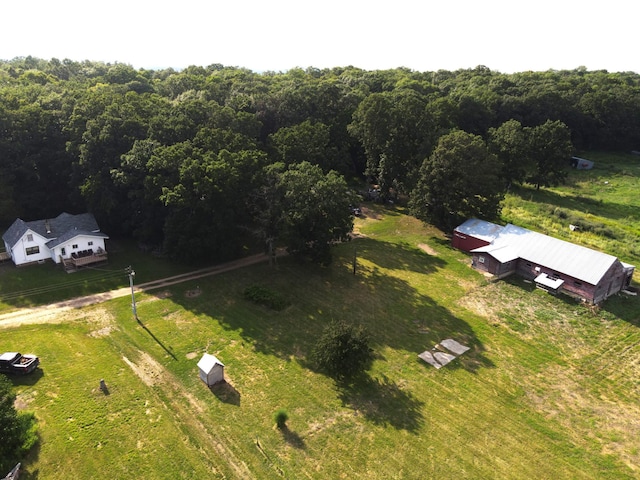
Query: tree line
[203, 161]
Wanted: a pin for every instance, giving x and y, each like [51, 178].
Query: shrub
[281, 417]
[18, 431]
[343, 350]
[266, 297]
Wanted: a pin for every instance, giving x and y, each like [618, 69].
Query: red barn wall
[466, 243]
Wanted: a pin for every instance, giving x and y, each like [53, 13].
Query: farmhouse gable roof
[64, 225]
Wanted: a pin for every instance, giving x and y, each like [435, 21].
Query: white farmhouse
[72, 240]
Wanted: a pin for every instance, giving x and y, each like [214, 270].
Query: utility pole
[355, 260]
[132, 274]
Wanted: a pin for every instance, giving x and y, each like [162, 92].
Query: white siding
[20, 250]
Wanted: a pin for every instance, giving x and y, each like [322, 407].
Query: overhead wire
[59, 286]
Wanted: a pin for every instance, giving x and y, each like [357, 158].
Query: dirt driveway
[56, 312]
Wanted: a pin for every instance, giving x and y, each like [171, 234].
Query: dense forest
[203, 161]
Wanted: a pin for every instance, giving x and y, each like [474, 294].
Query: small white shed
[211, 370]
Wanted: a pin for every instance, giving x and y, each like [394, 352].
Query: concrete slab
[454, 346]
[428, 357]
[443, 358]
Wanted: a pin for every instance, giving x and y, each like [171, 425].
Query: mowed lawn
[549, 388]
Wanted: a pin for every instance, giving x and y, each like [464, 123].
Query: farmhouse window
[63, 251]
[74, 246]
[577, 283]
[481, 259]
[29, 237]
[90, 243]
[32, 250]
[528, 264]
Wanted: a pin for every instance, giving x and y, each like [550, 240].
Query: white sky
[425, 35]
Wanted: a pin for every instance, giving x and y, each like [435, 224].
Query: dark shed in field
[581, 163]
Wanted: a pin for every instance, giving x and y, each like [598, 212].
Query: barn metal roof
[579, 262]
[481, 229]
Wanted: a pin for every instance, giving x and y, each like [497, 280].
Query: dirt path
[55, 312]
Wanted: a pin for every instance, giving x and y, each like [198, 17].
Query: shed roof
[553, 283]
[208, 362]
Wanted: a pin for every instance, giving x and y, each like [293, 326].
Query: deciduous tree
[17, 430]
[315, 210]
[461, 179]
[549, 150]
[343, 351]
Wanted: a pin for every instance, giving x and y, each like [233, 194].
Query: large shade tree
[509, 143]
[460, 179]
[310, 210]
[395, 130]
[549, 151]
[342, 351]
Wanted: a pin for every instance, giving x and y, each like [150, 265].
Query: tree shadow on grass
[397, 313]
[396, 256]
[292, 438]
[383, 402]
[31, 460]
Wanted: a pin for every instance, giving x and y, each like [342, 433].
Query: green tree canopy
[395, 131]
[17, 430]
[509, 143]
[315, 210]
[343, 351]
[461, 179]
[549, 151]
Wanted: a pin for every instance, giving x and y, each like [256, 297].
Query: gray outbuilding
[210, 369]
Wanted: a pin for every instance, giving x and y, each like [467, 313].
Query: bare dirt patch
[191, 355]
[427, 249]
[102, 332]
[147, 369]
[369, 213]
[23, 400]
[102, 321]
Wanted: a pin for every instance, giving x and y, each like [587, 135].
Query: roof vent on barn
[210, 369]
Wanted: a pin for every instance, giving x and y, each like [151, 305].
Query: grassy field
[603, 201]
[549, 388]
[46, 283]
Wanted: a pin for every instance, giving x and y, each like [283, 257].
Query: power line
[59, 286]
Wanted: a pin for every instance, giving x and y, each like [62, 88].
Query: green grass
[603, 201]
[549, 388]
[48, 283]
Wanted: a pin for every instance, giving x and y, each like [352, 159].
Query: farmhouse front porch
[74, 263]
